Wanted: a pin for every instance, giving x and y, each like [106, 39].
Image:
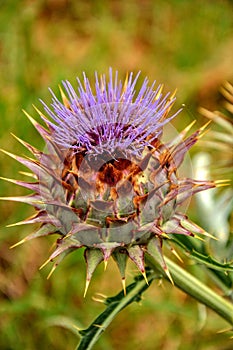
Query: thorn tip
[123, 285]
[86, 288]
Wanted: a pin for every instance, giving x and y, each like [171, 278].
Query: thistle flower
[106, 180]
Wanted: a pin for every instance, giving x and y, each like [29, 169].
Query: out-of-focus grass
[183, 44]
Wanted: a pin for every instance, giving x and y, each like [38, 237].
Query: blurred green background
[184, 44]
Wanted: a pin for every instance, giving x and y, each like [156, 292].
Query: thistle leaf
[202, 258]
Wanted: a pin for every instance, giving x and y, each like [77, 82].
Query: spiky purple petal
[110, 119]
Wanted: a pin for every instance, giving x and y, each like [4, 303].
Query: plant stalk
[99, 325]
[198, 290]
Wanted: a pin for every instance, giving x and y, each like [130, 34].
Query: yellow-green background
[184, 44]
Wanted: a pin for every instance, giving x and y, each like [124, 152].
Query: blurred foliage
[186, 45]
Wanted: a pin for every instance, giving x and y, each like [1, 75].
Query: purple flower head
[111, 118]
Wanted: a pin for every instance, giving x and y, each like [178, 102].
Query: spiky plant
[106, 180]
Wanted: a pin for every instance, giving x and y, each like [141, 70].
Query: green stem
[116, 304]
[182, 279]
[198, 290]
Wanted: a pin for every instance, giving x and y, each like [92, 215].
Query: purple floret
[111, 118]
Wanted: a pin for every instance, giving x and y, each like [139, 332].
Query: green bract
[121, 200]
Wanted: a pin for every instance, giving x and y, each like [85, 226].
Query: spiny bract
[106, 181]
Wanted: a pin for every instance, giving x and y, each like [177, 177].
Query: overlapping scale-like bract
[107, 182]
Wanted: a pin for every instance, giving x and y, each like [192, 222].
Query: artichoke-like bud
[106, 180]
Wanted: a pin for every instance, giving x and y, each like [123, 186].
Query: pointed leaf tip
[44, 264]
[145, 277]
[169, 275]
[18, 243]
[186, 130]
[126, 82]
[105, 264]
[158, 95]
[93, 258]
[173, 94]
[176, 255]
[123, 282]
[205, 125]
[121, 257]
[52, 271]
[86, 287]
[64, 98]
[154, 249]
[136, 254]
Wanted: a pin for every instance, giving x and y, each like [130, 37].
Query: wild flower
[106, 180]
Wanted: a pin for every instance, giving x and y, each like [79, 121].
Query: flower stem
[114, 306]
[198, 290]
